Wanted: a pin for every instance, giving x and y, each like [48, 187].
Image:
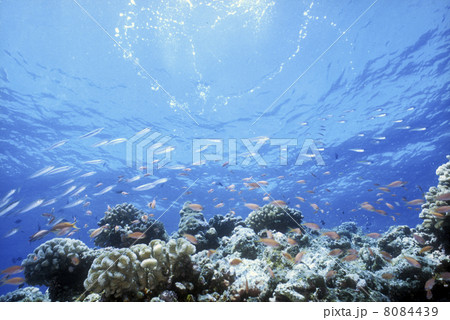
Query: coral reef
[28, 294]
[274, 218]
[124, 219]
[133, 272]
[225, 225]
[62, 265]
[193, 222]
[436, 219]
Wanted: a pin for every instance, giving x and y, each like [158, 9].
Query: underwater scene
[225, 150]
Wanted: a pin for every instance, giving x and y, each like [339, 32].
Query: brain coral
[123, 220]
[274, 218]
[135, 270]
[60, 264]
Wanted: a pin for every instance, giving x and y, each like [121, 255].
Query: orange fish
[430, 284]
[443, 197]
[390, 206]
[384, 189]
[299, 257]
[382, 212]
[144, 218]
[252, 206]
[266, 199]
[75, 261]
[235, 262]
[374, 235]
[314, 206]
[301, 181]
[350, 257]
[272, 275]
[278, 203]
[264, 183]
[330, 274]
[332, 235]
[442, 209]
[386, 256]
[269, 242]
[312, 226]
[296, 230]
[211, 252]
[301, 199]
[12, 270]
[335, 252]
[190, 238]
[210, 190]
[413, 262]
[269, 234]
[367, 206]
[14, 281]
[415, 202]
[195, 206]
[387, 276]
[219, 205]
[291, 241]
[425, 249]
[63, 225]
[287, 256]
[419, 239]
[96, 232]
[352, 251]
[136, 235]
[396, 184]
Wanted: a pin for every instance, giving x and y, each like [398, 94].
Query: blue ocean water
[363, 85]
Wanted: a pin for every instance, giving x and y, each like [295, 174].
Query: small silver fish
[91, 133]
[105, 190]
[32, 205]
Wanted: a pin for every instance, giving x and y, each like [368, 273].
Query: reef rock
[122, 220]
[28, 294]
[62, 265]
[274, 218]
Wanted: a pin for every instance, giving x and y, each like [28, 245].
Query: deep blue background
[62, 76]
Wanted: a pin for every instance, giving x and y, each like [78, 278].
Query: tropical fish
[374, 235]
[195, 207]
[419, 239]
[312, 226]
[335, 252]
[429, 294]
[11, 206]
[386, 256]
[425, 249]
[63, 225]
[252, 206]
[219, 205]
[296, 230]
[415, 202]
[301, 181]
[443, 197]
[332, 235]
[430, 284]
[413, 262]
[287, 256]
[269, 242]
[150, 185]
[41, 172]
[136, 235]
[396, 184]
[11, 232]
[384, 189]
[264, 183]
[32, 205]
[301, 199]
[299, 257]
[314, 206]
[390, 206]
[12, 270]
[73, 204]
[39, 235]
[278, 203]
[190, 238]
[350, 257]
[235, 262]
[291, 241]
[387, 276]
[105, 190]
[96, 232]
[367, 206]
[442, 209]
[96, 161]
[330, 274]
[57, 144]
[91, 133]
[14, 281]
